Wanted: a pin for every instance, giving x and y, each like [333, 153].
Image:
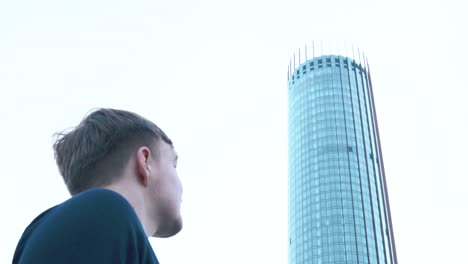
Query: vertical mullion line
[310, 129]
[359, 67]
[304, 161]
[370, 120]
[393, 255]
[329, 162]
[319, 164]
[335, 110]
[316, 162]
[357, 155]
[289, 163]
[309, 151]
[349, 163]
[297, 160]
[301, 157]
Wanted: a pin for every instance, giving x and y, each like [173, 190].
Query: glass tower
[338, 202]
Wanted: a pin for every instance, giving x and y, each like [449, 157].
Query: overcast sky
[212, 74]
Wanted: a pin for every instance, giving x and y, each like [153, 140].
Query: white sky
[212, 74]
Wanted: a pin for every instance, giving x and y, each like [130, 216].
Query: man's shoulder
[94, 208]
[98, 198]
[96, 218]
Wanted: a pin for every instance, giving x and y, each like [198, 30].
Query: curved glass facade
[338, 203]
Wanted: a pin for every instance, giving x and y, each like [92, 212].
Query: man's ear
[143, 167]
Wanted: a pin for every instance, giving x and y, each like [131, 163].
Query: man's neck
[137, 200]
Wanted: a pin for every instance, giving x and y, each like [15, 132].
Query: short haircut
[95, 153]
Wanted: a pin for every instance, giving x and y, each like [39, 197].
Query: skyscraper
[338, 201]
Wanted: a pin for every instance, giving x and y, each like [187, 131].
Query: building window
[337, 62]
[350, 149]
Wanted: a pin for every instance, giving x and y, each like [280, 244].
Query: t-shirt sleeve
[99, 227]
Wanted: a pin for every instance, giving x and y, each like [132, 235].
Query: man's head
[95, 152]
[110, 145]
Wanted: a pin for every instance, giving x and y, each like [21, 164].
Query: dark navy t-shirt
[95, 226]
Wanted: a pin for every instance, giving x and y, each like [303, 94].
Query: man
[120, 169]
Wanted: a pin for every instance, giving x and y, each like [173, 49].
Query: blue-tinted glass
[337, 203]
